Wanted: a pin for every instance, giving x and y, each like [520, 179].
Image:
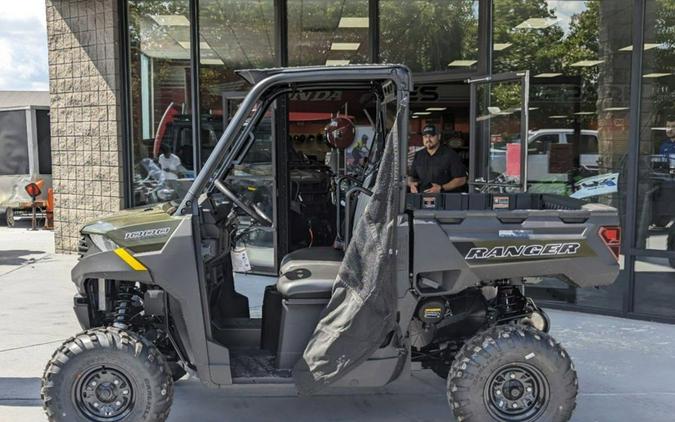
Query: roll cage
[270, 84]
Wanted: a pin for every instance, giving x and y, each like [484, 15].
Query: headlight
[103, 243]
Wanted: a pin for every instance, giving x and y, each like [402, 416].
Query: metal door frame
[524, 78]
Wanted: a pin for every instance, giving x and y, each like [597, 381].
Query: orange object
[50, 209]
[34, 189]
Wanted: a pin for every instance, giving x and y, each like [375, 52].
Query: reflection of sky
[564, 10]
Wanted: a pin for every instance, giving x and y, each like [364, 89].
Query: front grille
[83, 246]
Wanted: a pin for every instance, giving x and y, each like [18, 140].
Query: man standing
[436, 168]
[170, 162]
[667, 147]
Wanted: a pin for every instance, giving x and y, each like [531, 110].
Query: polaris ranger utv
[434, 279]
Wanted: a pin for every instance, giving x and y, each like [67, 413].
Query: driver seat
[309, 273]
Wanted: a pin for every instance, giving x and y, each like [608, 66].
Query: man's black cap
[429, 129]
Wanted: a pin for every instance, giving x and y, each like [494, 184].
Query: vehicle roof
[396, 72]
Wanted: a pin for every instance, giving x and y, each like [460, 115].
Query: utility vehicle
[156, 297]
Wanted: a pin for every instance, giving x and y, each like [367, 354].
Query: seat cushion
[309, 273]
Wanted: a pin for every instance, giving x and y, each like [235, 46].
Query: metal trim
[195, 102]
[634, 144]
[125, 104]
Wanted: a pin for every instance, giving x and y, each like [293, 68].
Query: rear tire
[8, 218]
[107, 375]
[512, 373]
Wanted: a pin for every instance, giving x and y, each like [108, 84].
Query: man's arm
[413, 177]
[455, 183]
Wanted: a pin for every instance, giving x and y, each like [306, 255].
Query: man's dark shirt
[439, 168]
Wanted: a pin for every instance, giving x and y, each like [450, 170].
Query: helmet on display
[340, 132]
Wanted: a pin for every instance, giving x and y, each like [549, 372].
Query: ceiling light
[615, 109]
[647, 46]
[336, 62]
[211, 61]
[557, 116]
[171, 20]
[659, 128]
[548, 75]
[584, 113]
[499, 46]
[421, 113]
[656, 75]
[462, 63]
[203, 45]
[586, 63]
[537, 23]
[353, 22]
[415, 117]
[345, 46]
[436, 108]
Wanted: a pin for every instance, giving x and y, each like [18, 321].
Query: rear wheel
[107, 375]
[8, 218]
[512, 373]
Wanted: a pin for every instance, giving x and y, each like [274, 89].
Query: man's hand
[413, 187]
[435, 188]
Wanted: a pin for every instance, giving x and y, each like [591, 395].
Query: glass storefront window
[159, 38]
[328, 33]
[656, 174]
[430, 36]
[579, 90]
[655, 286]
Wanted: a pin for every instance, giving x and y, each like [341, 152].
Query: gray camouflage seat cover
[362, 308]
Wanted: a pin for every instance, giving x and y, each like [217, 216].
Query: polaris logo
[144, 234]
[512, 251]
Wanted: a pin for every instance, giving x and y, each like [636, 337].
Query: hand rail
[338, 189]
[348, 210]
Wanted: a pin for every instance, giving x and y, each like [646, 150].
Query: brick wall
[86, 127]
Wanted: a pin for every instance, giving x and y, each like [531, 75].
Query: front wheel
[512, 373]
[107, 375]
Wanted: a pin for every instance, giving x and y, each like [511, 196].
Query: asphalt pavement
[626, 368]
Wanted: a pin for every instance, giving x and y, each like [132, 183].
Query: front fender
[108, 265]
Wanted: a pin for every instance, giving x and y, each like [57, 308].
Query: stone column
[86, 121]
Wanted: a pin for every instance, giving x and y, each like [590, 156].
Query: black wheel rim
[103, 394]
[517, 392]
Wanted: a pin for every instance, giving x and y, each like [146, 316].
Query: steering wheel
[249, 207]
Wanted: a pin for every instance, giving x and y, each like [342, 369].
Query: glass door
[498, 124]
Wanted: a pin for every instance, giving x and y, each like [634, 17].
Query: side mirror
[34, 189]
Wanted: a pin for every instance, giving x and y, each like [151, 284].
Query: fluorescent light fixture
[533, 108]
[171, 20]
[203, 45]
[557, 116]
[548, 75]
[421, 113]
[211, 61]
[336, 62]
[656, 75]
[499, 46]
[353, 22]
[647, 46]
[436, 108]
[584, 113]
[537, 23]
[462, 63]
[586, 63]
[415, 117]
[659, 128]
[345, 46]
[615, 109]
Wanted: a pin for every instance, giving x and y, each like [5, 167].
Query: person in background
[667, 147]
[436, 168]
[169, 162]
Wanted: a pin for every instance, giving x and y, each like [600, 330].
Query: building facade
[127, 78]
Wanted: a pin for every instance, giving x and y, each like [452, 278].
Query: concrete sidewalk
[625, 367]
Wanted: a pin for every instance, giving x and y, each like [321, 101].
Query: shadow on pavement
[17, 257]
[20, 391]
